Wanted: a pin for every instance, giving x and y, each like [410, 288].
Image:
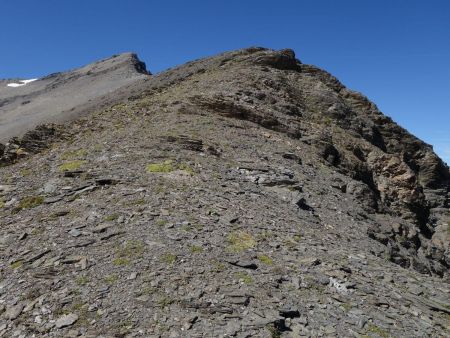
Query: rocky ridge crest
[246, 194]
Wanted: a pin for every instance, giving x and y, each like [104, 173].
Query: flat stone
[330, 330]
[132, 276]
[75, 233]
[7, 188]
[113, 234]
[242, 300]
[39, 255]
[30, 306]
[66, 320]
[55, 199]
[12, 312]
[102, 227]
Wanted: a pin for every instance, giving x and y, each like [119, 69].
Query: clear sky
[397, 52]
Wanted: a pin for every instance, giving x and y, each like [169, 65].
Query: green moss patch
[29, 202]
[72, 165]
[82, 280]
[16, 265]
[111, 217]
[240, 241]
[25, 172]
[169, 258]
[127, 252]
[121, 261]
[111, 279]
[74, 154]
[196, 249]
[377, 330]
[265, 259]
[244, 277]
[168, 166]
[164, 167]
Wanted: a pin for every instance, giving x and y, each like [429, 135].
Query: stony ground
[209, 206]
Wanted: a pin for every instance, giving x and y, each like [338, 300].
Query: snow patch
[21, 83]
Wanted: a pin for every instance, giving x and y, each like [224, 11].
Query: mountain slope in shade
[63, 96]
[242, 195]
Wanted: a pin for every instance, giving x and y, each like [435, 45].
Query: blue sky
[395, 52]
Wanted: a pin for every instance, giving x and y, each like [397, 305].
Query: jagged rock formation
[241, 195]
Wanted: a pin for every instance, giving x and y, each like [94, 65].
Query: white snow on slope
[21, 83]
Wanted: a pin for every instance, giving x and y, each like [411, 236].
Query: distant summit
[24, 104]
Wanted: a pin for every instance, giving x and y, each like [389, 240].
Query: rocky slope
[243, 195]
[63, 96]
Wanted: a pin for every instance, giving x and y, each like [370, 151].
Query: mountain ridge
[66, 95]
[245, 194]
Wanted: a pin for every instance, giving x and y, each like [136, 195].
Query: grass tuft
[265, 259]
[128, 251]
[244, 277]
[240, 241]
[72, 165]
[29, 202]
[377, 330]
[111, 217]
[196, 249]
[169, 258]
[169, 166]
[164, 167]
[121, 261]
[74, 154]
[111, 279]
[16, 264]
[82, 280]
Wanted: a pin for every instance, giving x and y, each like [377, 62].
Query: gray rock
[14, 311]
[66, 320]
[75, 233]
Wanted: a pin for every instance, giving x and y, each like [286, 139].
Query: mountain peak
[129, 59]
[63, 96]
[246, 194]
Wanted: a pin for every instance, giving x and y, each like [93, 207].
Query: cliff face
[245, 194]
